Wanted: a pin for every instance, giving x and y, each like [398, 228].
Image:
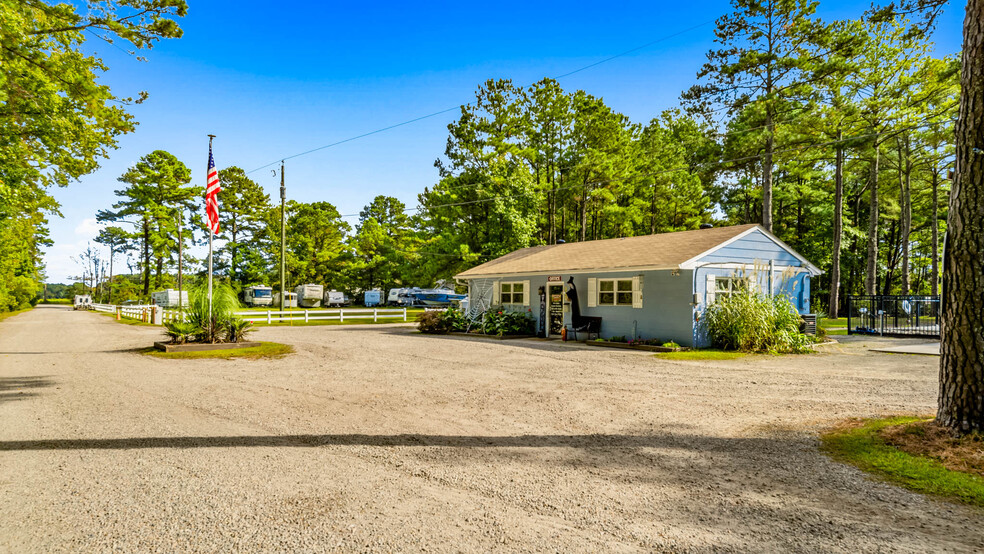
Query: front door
[555, 309]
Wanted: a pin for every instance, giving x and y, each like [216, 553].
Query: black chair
[586, 324]
[582, 323]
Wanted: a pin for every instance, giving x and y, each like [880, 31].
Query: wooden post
[404, 314]
[375, 315]
[341, 315]
[305, 316]
[269, 317]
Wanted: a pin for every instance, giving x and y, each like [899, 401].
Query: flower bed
[650, 345]
[496, 322]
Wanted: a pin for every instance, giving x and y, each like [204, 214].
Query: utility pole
[283, 239]
[180, 244]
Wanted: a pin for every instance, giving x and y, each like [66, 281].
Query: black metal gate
[894, 316]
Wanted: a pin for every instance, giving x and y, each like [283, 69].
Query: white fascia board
[813, 270]
[567, 272]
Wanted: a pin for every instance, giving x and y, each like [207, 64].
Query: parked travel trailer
[372, 298]
[258, 295]
[82, 302]
[291, 300]
[309, 296]
[337, 298]
[169, 298]
[400, 297]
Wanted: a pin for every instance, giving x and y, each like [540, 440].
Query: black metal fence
[894, 316]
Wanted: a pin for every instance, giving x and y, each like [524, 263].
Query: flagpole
[211, 325]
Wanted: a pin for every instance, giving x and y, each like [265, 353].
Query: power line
[458, 107]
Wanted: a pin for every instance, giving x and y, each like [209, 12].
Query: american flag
[212, 188]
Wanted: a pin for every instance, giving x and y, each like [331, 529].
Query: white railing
[145, 313]
[340, 314]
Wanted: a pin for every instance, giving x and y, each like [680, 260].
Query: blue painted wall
[668, 312]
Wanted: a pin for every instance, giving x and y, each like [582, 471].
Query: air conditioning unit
[809, 324]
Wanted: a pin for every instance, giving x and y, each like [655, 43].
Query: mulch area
[925, 438]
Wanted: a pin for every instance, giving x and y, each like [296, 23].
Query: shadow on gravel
[549, 345]
[689, 442]
[13, 388]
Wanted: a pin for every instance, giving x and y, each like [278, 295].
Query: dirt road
[380, 439]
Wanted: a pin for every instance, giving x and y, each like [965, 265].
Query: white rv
[258, 295]
[400, 297]
[291, 299]
[169, 298]
[337, 298]
[309, 296]
[82, 302]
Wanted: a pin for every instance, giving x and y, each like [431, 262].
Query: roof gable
[662, 251]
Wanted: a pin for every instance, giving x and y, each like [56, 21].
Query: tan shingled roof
[666, 250]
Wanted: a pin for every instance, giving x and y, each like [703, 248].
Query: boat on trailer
[440, 296]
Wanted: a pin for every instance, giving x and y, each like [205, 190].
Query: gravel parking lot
[376, 438]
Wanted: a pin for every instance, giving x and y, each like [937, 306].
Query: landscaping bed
[913, 453]
[497, 337]
[628, 346]
[226, 351]
[199, 347]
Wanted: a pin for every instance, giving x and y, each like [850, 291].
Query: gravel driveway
[375, 438]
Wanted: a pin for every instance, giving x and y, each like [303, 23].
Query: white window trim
[614, 280]
[526, 292]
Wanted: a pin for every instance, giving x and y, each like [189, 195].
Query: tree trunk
[961, 400]
[871, 273]
[835, 270]
[110, 299]
[767, 174]
[935, 285]
[905, 182]
[584, 211]
[235, 250]
[146, 257]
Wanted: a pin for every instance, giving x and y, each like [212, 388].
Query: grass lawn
[264, 350]
[68, 301]
[706, 354]
[901, 450]
[300, 322]
[264, 309]
[839, 322]
[836, 331]
[126, 320]
[5, 315]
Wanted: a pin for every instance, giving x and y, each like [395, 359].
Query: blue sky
[273, 80]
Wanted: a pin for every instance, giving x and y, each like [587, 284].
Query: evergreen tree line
[837, 137]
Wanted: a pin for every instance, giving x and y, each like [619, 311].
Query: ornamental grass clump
[748, 321]
[222, 326]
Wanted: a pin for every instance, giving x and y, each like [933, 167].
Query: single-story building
[646, 287]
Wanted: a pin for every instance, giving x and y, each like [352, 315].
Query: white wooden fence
[340, 314]
[146, 313]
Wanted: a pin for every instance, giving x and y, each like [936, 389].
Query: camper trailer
[169, 298]
[291, 300]
[373, 298]
[337, 298]
[309, 296]
[400, 297]
[258, 295]
[82, 302]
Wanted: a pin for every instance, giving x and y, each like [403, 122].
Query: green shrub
[504, 322]
[221, 326]
[432, 322]
[670, 344]
[180, 331]
[748, 321]
[455, 320]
